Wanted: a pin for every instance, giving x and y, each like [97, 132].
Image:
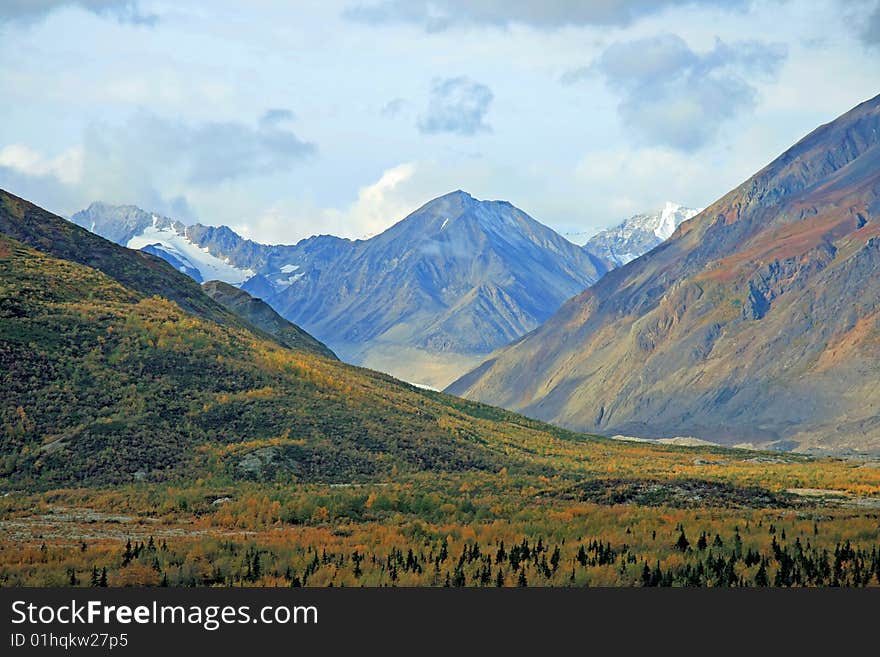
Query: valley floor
[809, 524]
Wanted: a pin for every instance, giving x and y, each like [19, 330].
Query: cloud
[46, 190]
[377, 206]
[394, 107]
[640, 180]
[456, 106]
[66, 167]
[202, 154]
[437, 15]
[276, 116]
[870, 33]
[673, 96]
[154, 162]
[29, 11]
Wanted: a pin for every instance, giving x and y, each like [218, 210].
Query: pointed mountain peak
[456, 198]
[457, 194]
[456, 209]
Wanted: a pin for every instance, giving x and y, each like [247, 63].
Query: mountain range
[757, 321]
[117, 368]
[426, 300]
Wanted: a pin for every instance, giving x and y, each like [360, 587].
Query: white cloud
[66, 167]
[381, 204]
[377, 207]
[624, 181]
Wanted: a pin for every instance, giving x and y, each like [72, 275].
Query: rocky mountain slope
[426, 300]
[436, 292]
[757, 321]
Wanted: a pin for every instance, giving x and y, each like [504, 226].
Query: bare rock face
[757, 321]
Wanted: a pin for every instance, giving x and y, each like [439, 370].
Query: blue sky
[286, 119]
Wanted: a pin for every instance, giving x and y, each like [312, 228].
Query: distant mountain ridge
[635, 236]
[425, 300]
[167, 238]
[758, 321]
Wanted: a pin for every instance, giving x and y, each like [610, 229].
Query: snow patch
[210, 267]
[283, 283]
[670, 217]
[580, 238]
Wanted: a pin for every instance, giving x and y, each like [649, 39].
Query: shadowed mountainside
[261, 315]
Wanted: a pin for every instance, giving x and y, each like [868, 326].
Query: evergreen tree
[255, 569]
[702, 542]
[646, 575]
[682, 543]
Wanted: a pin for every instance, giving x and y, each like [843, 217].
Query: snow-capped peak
[671, 215]
[639, 234]
[174, 240]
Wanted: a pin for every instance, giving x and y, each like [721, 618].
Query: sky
[284, 120]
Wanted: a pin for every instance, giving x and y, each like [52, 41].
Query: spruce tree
[702, 542]
[682, 543]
